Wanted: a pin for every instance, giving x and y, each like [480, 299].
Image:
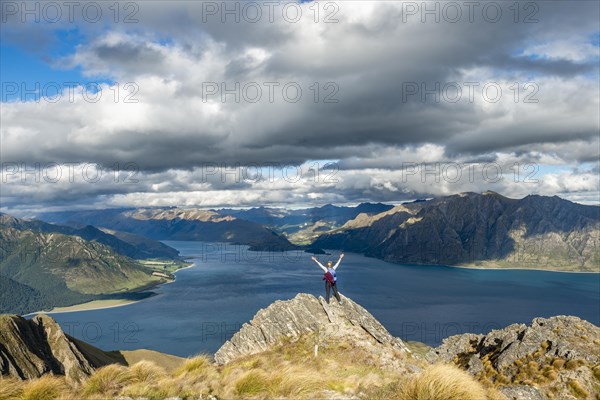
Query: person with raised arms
[330, 277]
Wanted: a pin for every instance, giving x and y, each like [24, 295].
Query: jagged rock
[455, 345]
[32, 348]
[35, 347]
[305, 314]
[561, 335]
[564, 338]
[522, 392]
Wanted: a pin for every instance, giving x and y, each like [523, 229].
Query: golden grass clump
[293, 382]
[107, 381]
[149, 391]
[10, 388]
[574, 364]
[47, 387]
[442, 382]
[596, 372]
[145, 372]
[252, 383]
[198, 375]
[197, 364]
[577, 390]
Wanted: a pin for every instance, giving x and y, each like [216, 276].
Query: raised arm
[337, 264]
[319, 264]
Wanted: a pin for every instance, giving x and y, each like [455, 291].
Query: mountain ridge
[478, 230]
[51, 269]
[173, 223]
[128, 245]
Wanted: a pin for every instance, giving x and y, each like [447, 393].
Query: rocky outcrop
[522, 392]
[305, 314]
[558, 355]
[32, 348]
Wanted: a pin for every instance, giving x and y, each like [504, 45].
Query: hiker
[330, 277]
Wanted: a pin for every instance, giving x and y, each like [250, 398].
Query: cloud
[400, 89]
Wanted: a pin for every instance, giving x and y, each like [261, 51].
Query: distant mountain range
[260, 227]
[304, 225]
[178, 224]
[487, 230]
[127, 244]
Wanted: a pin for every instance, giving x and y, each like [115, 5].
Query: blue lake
[228, 284]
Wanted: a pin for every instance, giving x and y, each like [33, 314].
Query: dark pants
[328, 287]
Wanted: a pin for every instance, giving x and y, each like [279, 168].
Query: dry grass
[45, 388]
[577, 390]
[436, 382]
[195, 365]
[145, 372]
[442, 382]
[289, 370]
[107, 381]
[251, 384]
[10, 388]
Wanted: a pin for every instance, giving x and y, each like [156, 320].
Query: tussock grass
[146, 391]
[107, 381]
[596, 372]
[442, 382]
[45, 388]
[577, 390]
[287, 371]
[145, 372]
[10, 388]
[196, 364]
[436, 382]
[252, 383]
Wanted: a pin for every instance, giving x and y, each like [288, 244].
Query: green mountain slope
[129, 245]
[18, 298]
[53, 269]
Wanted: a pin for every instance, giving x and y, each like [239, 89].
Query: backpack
[329, 277]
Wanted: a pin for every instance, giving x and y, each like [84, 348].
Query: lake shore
[103, 304]
[496, 268]
[91, 305]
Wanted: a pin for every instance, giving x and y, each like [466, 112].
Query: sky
[287, 104]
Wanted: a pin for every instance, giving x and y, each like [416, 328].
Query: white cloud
[374, 129]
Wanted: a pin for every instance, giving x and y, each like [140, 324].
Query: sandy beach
[100, 304]
[92, 305]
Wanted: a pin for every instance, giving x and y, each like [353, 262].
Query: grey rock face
[561, 336]
[30, 349]
[305, 314]
[452, 346]
[521, 392]
[569, 340]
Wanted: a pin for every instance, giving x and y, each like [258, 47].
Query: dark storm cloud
[371, 59]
